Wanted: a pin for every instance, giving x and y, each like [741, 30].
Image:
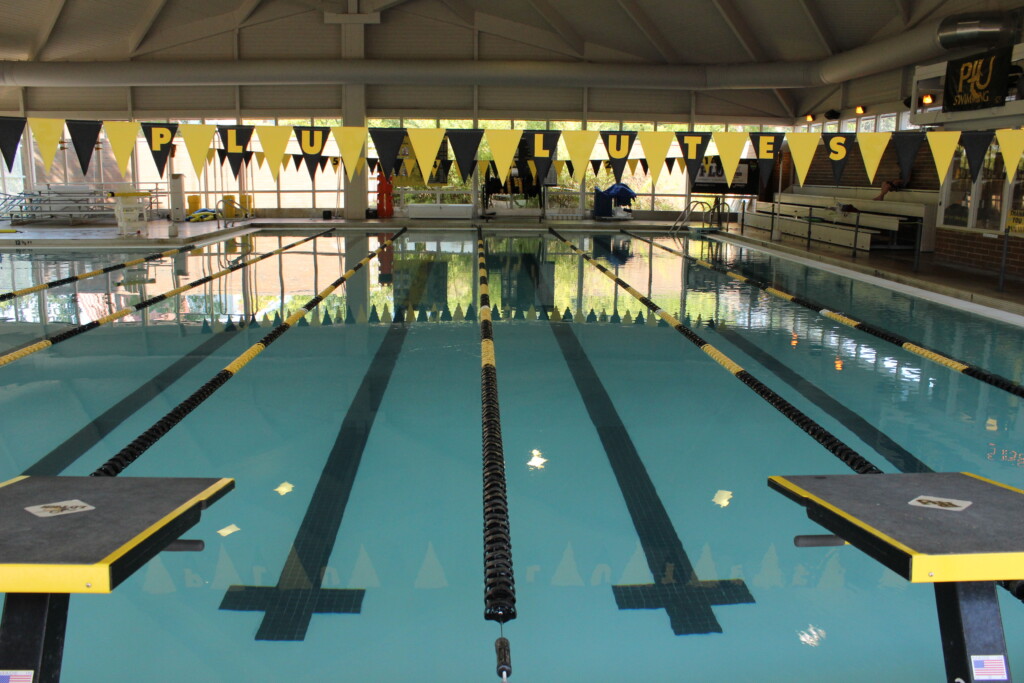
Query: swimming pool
[409, 545]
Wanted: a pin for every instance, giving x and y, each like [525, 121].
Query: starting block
[63, 535]
[953, 529]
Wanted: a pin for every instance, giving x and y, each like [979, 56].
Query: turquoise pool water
[410, 533]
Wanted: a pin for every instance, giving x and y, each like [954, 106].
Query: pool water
[660, 434]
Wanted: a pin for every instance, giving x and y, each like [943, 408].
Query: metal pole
[917, 245]
[856, 234]
[810, 216]
[1002, 261]
[743, 216]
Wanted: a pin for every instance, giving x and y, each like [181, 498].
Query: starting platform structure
[63, 535]
[947, 528]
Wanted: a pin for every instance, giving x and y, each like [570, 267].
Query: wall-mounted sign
[977, 82]
[711, 178]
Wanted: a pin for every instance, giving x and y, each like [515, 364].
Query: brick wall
[975, 251]
[923, 176]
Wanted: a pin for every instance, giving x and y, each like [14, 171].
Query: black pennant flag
[388, 142]
[975, 144]
[618, 144]
[644, 165]
[671, 163]
[160, 138]
[596, 165]
[322, 162]
[222, 155]
[837, 150]
[446, 168]
[84, 135]
[297, 159]
[464, 146]
[372, 163]
[907, 145]
[235, 139]
[541, 146]
[247, 157]
[11, 129]
[569, 167]
[766, 145]
[311, 143]
[693, 145]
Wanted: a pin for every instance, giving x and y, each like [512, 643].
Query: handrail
[684, 216]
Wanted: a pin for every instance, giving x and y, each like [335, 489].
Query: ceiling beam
[810, 8]
[905, 10]
[461, 9]
[246, 10]
[734, 18]
[214, 26]
[370, 6]
[149, 17]
[559, 25]
[650, 30]
[53, 12]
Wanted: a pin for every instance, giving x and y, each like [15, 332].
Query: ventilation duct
[973, 30]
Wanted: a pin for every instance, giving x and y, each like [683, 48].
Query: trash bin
[602, 205]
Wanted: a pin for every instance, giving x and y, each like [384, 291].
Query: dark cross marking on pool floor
[676, 588]
[290, 605]
[76, 445]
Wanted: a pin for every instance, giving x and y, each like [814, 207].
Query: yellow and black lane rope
[499, 581]
[47, 342]
[832, 443]
[144, 441]
[7, 296]
[942, 359]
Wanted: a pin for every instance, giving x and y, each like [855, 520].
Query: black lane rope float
[829, 441]
[974, 371]
[7, 296]
[47, 342]
[499, 580]
[144, 441]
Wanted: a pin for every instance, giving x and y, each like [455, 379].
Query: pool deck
[974, 287]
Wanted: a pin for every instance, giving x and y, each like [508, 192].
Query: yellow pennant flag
[559, 165]
[122, 136]
[1011, 145]
[580, 144]
[872, 147]
[632, 165]
[197, 138]
[482, 166]
[943, 144]
[503, 145]
[351, 140]
[802, 147]
[656, 144]
[410, 166]
[425, 143]
[532, 165]
[274, 140]
[730, 149]
[211, 154]
[47, 133]
[260, 158]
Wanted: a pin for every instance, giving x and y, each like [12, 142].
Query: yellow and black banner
[978, 81]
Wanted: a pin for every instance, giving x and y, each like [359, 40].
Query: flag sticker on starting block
[64, 507]
[986, 667]
[937, 503]
[11, 676]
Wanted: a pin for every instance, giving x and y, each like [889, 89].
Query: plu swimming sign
[977, 82]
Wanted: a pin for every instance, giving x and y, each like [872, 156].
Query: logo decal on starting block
[951, 504]
[64, 507]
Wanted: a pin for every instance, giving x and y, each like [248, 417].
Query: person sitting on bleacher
[890, 186]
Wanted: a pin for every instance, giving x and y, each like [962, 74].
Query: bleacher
[843, 216]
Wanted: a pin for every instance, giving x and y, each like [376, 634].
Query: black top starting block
[953, 529]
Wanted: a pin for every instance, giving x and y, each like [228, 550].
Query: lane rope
[499, 579]
[942, 359]
[144, 441]
[55, 339]
[829, 441]
[7, 296]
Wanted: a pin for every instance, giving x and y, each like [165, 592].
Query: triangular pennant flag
[387, 141]
[235, 139]
[766, 146]
[693, 146]
[122, 136]
[523, 169]
[872, 147]
[211, 154]
[632, 163]
[445, 167]
[975, 144]
[943, 144]
[84, 135]
[197, 138]
[504, 144]
[646, 167]
[351, 141]
[160, 138]
[312, 140]
[222, 155]
[837, 149]
[274, 140]
[425, 145]
[580, 145]
[260, 158]
[569, 168]
[1011, 146]
[559, 167]
[336, 162]
[802, 147]
[11, 129]
[464, 147]
[297, 159]
[596, 164]
[907, 145]
[322, 162]
[373, 163]
[483, 168]
[619, 144]
[47, 133]
[670, 163]
[730, 149]
[247, 157]
[410, 165]
[541, 146]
